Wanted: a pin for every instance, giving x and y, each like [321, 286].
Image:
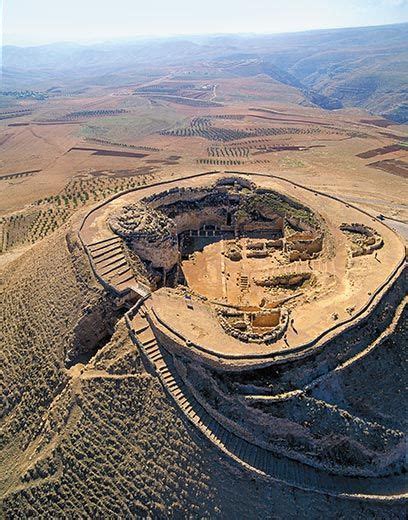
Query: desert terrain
[56, 159]
[281, 397]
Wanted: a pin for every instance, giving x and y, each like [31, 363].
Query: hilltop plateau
[203, 277]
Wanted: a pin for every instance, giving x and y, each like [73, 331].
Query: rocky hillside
[362, 67]
[99, 437]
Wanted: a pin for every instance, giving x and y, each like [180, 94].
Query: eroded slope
[102, 438]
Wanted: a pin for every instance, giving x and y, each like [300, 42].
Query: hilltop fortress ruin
[244, 292]
[173, 231]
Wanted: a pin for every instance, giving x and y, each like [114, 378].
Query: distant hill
[360, 67]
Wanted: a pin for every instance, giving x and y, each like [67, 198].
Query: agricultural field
[131, 125]
[58, 158]
[101, 420]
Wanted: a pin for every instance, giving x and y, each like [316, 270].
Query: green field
[127, 127]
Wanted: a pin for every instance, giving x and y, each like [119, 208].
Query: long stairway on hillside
[111, 264]
[251, 456]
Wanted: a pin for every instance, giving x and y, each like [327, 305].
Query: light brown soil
[103, 439]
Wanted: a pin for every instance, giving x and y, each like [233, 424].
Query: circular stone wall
[222, 244]
[241, 273]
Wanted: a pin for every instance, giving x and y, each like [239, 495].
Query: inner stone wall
[151, 226]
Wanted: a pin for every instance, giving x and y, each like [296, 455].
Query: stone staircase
[252, 457]
[111, 264]
[244, 282]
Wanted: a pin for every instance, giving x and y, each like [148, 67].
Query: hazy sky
[42, 21]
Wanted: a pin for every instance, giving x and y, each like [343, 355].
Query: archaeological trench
[246, 292]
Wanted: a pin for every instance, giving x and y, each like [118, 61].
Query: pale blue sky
[42, 21]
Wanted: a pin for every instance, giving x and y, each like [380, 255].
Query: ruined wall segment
[149, 233]
[251, 366]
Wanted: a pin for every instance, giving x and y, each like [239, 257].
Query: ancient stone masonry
[166, 228]
[254, 303]
[233, 251]
[149, 232]
[257, 326]
[286, 281]
[304, 245]
[364, 240]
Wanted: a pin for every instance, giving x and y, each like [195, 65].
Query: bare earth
[102, 418]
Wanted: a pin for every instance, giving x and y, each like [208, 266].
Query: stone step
[140, 321]
[241, 449]
[269, 462]
[104, 248]
[287, 471]
[159, 364]
[200, 421]
[103, 264]
[234, 441]
[257, 456]
[111, 269]
[104, 241]
[182, 399]
[173, 386]
[156, 357]
[112, 256]
[148, 339]
[152, 349]
[251, 455]
[170, 379]
[222, 435]
[172, 390]
[210, 433]
[193, 415]
[116, 278]
[228, 439]
[122, 285]
[185, 405]
[141, 328]
[106, 251]
[170, 382]
[98, 246]
[189, 408]
[150, 345]
[153, 352]
[261, 460]
[120, 272]
[118, 283]
[246, 451]
[147, 336]
[212, 428]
